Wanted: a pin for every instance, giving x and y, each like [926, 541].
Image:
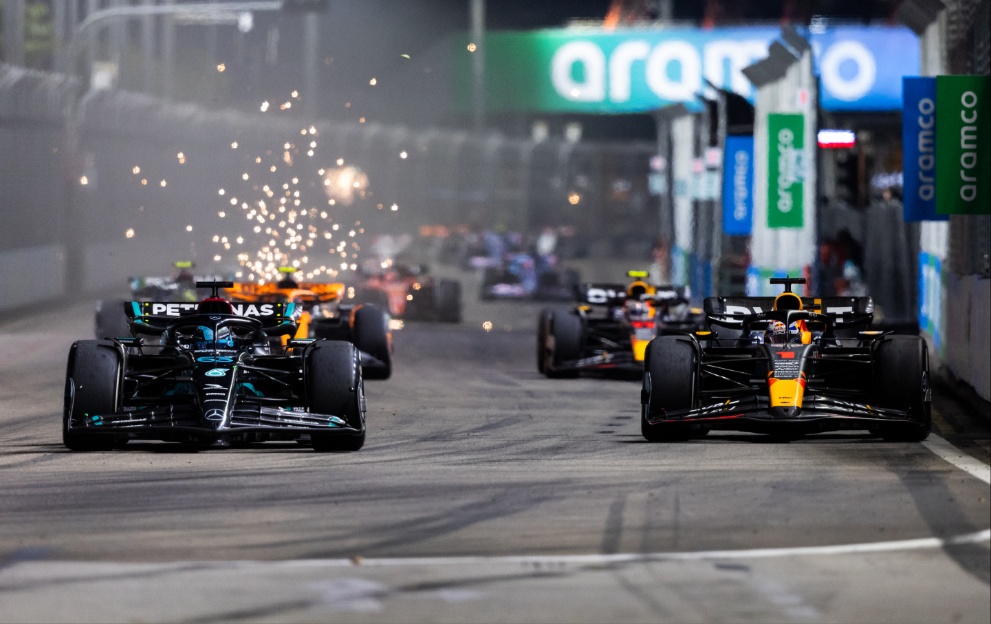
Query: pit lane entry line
[958, 458]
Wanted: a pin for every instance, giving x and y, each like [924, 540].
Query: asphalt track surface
[485, 493]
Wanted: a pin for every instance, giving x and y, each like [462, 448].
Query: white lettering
[620, 66]
[968, 136]
[688, 83]
[593, 62]
[860, 84]
[786, 177]
[158, 308]
[968, 145]
[267, 309]
[737, 54]
[740, 190]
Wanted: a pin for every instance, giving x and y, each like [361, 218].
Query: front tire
[565, 327]
[901, 378]
[336, 387]
[668, 385]
[93, 379]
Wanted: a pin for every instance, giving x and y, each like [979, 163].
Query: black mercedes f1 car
[213, 374]
[786, 365]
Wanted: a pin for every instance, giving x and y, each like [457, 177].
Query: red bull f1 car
[611, 326]
[786, 365]
[213, 373]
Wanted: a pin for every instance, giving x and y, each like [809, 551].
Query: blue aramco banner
[919, 149]
[738, 186]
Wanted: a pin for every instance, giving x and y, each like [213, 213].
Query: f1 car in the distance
[791, 365]
[523, 276]
[409, 292]
[611, 326]
[213, 376]
[322, 313]
[110, 319]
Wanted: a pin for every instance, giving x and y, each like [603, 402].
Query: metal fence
[133, 174]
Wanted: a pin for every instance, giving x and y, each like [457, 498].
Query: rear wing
[616, 294]
[152, 317]
[323, 292]
[602, 294]
[668, 293]
[843, 312]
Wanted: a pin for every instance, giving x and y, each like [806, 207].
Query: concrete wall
[967, 355]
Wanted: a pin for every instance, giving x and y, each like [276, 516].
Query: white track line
[958, 458]
[936, 444]
[563, 560]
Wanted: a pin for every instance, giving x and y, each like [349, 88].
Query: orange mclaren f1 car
[323, 313]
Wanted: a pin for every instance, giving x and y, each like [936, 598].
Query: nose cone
[783, 413]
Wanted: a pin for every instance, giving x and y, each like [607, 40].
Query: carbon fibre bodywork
[833, 374]
[613, 327]
[212, 378]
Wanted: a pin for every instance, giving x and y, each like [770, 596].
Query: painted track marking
[958, 458]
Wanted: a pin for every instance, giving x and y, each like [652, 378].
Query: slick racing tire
[336, 387]
[110, 320]
[93, 379]
[371, 335]
[669, 384]
[568, 344]
[448, 301]
[901, 378]
[490, 277]
[543, 322]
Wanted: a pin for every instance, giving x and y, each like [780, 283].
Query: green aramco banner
[963, 142]
[785, 170]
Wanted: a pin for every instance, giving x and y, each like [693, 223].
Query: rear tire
[92, 387]
[448, 301]
[669, 384]
[374, 296]
[543, 321]
[110, 320]
[371, 335]
[901, 378]
[565, 326]
[490, 277]
[336, 387]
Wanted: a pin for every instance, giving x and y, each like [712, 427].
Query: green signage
[963, 142]
[785, 173]
[638, 70]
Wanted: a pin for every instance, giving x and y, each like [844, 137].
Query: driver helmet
[776, 333]
[206, 338]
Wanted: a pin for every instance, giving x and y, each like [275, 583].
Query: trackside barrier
[968, 319]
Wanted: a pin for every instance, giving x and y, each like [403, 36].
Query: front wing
[753, 413]
[182, 421]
